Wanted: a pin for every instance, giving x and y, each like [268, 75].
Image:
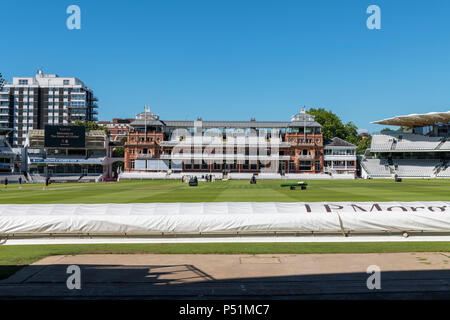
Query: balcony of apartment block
[77, 108]
[76, 113]
[94, 105]
[94, 98]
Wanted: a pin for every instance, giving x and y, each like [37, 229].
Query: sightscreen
[65, 136]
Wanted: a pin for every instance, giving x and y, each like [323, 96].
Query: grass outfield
[233, 190]
[14, 257]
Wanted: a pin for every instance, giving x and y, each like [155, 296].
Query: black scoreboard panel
[65, 136]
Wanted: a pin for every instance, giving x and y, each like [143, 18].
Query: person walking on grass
[20, 182]
[47, 182]
[6, 183]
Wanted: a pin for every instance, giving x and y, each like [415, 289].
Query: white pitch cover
[224, 217]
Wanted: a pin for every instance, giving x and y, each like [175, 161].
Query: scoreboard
[65, 136]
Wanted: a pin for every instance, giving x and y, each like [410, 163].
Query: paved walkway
[314, 276]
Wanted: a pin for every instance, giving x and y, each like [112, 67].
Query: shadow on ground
[185, 281]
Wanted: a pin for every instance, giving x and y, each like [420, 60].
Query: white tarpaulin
[225, 217]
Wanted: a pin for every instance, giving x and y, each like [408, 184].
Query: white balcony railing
[305, 156]
[144, 155]
[193, 156]
[328, 157]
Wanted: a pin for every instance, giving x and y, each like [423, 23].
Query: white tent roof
[413, 120]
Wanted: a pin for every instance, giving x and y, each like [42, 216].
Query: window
[317, 165]
[66, 82]
[305, 165]
[23, 82]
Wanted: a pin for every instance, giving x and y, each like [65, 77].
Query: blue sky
[239, 59]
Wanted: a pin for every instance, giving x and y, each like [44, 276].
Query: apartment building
[32, 102]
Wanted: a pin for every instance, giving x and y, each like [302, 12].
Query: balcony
[223, 143]
[329, 157]
[144, 156]
[305, 156]
[94, 98]
[219, 157]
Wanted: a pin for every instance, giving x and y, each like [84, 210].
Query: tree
[118, 152]
[351, 133]
[332, 126]
[363, 144]
[91, 125]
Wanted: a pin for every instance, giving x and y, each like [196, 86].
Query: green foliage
[332, 126]
[91, 125]
[118, 152]
[401, 129]
[363, 144]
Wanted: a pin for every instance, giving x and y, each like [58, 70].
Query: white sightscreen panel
[177, 166]
[139, 164]
[164, 165]
[225, 217]
[152, 165]
[156, 164]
